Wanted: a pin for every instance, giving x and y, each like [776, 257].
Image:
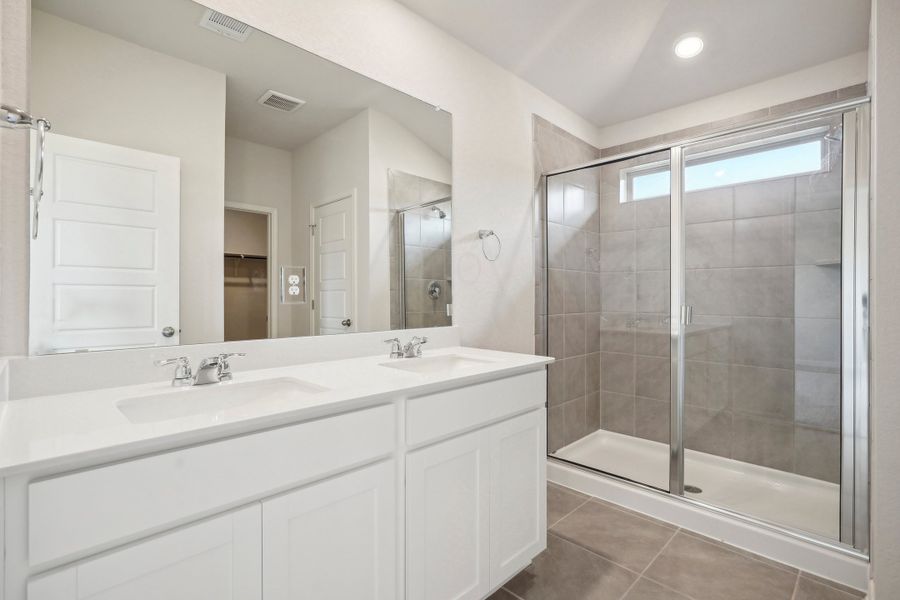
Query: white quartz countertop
[71, 430]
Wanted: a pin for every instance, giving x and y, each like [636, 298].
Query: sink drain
[693, 489]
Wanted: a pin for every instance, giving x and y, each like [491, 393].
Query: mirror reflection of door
[246, 271]
[104, 267]
[333, 247]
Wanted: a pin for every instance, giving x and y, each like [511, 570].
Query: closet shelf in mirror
[245, 256]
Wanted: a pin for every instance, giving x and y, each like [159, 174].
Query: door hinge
[313, 302]
[687, 314]
[312, 230]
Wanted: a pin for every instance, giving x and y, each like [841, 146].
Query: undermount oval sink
[212, 399]
[447, 364]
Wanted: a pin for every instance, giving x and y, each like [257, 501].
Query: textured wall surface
[885, 323]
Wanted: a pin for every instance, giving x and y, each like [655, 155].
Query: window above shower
[805, 152]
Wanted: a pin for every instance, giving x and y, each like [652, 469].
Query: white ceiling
[612, 60]
[333, 94]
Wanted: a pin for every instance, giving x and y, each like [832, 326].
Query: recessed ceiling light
[689, 46]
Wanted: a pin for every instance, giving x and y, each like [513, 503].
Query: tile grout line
[513, 594]
[555, 523]
[585, 501]
[634, 513]
[833, 585]
[796, 587]
[764, 560]
[644, 570]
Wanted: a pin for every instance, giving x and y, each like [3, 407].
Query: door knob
[346, 322]
[168, 331]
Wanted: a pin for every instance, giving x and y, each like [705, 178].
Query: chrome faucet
[413, 349]
[214, 369]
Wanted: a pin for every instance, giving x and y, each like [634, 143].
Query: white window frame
[627, 175]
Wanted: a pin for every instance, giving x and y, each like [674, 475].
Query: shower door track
[854, 486]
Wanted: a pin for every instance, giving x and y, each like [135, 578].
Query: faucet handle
[414, 347]
[396, 347]
[223, 360]
[182, 369]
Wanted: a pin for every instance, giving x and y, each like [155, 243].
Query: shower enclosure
[706, 302]
[422, 283]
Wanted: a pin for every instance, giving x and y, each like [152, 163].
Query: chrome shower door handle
[346, 322]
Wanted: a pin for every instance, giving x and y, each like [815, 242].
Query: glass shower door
[762, 341]
[608, 239]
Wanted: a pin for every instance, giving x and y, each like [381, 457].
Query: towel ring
[483, 234]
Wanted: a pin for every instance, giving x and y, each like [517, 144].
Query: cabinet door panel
[448, 519]
[518, 493]
[333, 540]
[217, 559]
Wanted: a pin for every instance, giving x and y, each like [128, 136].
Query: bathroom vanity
[355, 478]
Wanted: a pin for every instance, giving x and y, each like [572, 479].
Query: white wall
[827, 77]
[262, 175]
[392, 146]
[14, 209]
[885, 324]
[329, 167]
[95, 86]
[492, 153]
[356, 155]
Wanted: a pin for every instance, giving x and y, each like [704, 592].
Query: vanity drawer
[98, 508]
[438, 415]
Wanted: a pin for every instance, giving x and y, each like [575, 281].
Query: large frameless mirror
[205, 181]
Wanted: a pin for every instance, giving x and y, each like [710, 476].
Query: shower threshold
[779, 497]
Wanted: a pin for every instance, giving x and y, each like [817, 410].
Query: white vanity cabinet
[476, 502]
[214, 559]
[334, 539]
[426, 497]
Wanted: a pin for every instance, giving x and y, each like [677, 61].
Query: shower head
[441, 214]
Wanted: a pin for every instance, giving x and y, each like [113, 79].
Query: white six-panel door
[334, 268]
[333, 540]
[104, 268]
[217, 559]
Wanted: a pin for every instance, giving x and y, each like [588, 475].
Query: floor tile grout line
[589, 551]
[634, 513]
[833, 585]
[555, 523]
[796, 587]
[765, 560]
[513, 594]
[652, 560]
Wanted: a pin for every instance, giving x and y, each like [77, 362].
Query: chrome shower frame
[855, 446]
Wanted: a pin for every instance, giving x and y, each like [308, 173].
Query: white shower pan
[767, 494]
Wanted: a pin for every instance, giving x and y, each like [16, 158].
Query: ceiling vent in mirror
[225, 25]
[280, 101]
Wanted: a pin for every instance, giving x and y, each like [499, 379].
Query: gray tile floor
[599, 551]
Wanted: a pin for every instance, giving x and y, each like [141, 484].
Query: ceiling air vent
[225, 25]
[280, 101]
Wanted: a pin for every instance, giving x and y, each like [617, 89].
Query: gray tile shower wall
[573, 381]
[426, 250]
